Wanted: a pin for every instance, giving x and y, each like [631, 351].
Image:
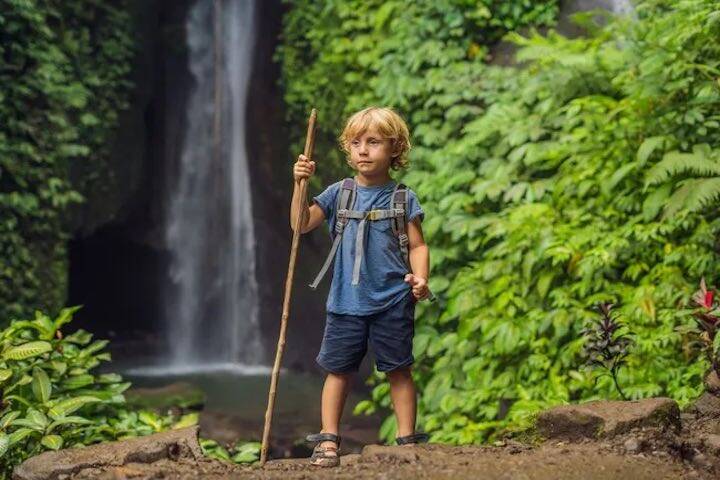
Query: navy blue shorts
[389, 332]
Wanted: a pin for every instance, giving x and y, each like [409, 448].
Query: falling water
[212, 311]
[622, 7]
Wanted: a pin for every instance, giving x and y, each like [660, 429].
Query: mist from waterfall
[212, 307]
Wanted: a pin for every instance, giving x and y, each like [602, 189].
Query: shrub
[53, 398]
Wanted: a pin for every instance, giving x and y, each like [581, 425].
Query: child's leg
[402, 392]
[334, 394]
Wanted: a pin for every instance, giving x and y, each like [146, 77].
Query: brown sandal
[320, 456]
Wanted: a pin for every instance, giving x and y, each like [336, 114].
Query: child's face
[371, 154]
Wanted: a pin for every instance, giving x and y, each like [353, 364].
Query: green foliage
[342, 55]
[542, 198]
[241, 452]
[64, 68]
[52, 398]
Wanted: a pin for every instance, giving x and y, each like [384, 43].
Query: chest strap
[344, 213]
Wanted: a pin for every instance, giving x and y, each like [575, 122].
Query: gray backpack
[345, 202]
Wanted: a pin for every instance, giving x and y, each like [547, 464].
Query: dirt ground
[649, 439]
[552, 461]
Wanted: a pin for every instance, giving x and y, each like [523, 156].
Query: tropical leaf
[4, 444]
[53, 442]
[19, 435]
[7, 419]
[67, 421]
[65, 407]
[27, 350]
[41, 385]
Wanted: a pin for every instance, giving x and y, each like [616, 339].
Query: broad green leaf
[65, 316]
[7, 419]
[151, 419]
[19, 435]
[4, 444]
[37, 417]
[187, 420]
[78, 381]
[5, 374]
[41, 385]
[65, 407]
[27, 350]
[46, 327]
[53, 442]
[59, 367]
[67, 421]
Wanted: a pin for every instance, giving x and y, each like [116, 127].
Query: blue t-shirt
[383, 269]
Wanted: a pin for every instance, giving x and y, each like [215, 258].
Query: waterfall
[211, 309]
[622, 7]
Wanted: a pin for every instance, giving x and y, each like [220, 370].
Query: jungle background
[557, 171]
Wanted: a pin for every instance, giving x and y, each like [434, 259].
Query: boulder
[173, 445]
[607, 418]
[708, 405]
[712, 382]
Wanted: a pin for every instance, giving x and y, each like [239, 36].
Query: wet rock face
[607, 418]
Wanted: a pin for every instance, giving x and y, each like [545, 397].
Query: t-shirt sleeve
[414, 208]
[327, 200]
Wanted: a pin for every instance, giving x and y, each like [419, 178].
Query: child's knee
[401, 373]
[339, 376]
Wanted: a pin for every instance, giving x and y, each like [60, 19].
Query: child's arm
[419, 261]
[313, 215]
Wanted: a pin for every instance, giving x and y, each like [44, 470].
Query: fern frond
[693, 195]
[706, 191]
[676, 162]
[677, 200]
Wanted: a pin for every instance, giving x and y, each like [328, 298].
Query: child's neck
[366, 181]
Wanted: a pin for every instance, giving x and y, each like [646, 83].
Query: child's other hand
[419, 286]
[303, 168]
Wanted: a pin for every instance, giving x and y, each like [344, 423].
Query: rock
[350, 459]
[173, 444]
[712, 382]
[701, 461]
[392, 454]
[712, 443]
[607, 418]
[687, 418]
[708, 405]
[513, 447]
[633, 445]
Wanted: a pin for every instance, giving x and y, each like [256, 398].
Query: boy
[372, 296]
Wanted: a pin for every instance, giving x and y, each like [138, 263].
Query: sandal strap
[414, 438]
[323, 437]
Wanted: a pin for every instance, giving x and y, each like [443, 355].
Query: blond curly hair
[387, 123]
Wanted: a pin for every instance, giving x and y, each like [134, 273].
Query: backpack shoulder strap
[345, 201]
[399, 202]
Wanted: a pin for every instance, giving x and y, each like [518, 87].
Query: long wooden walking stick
[309, 145]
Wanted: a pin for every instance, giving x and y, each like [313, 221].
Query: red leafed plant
[707, 316]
